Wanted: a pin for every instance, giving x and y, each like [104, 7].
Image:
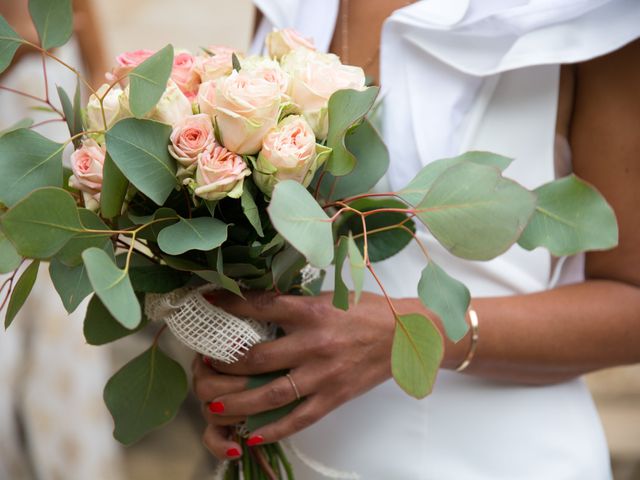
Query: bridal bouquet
[218, 170]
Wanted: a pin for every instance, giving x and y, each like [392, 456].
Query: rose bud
[289, 152]
[115, 104]
[127, 61]
[281, 42]
[314, 78]
[172, 107]
[190, 137]
[246, 108]
[219, 173]
[214, 64]
[87, 163]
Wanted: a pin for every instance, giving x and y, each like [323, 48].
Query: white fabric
[460, 75]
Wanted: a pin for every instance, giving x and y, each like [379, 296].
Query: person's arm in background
[90, 41]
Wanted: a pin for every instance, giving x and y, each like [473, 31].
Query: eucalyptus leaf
[148, 81]
[101, 328]
[21, 291]
[114, 189]
[156, 278]
[9, 43]
[139, 149]
[296, 215]
[340, 289]
[53, 20]
[20, 124]
[417, 188]
[202, 233]
[71, 283]
[250, 209]
[72, 112]
[38, 232]
[474, 212]
[416, 354]
[388, 241]
[346, 109]
[447, 297]
[571, 216]
[9, 257]
[113, 286]
[71, 253]
[218, 277]
[285, 268]
[366, 145]
[28, 161]
[356, 267]
[145, 394]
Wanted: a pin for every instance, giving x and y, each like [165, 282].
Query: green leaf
[156, 278]
[571, 216]
[71, 283]
[285, 268]
[41, 224]
[114, 189]
[356, 266]
[306, 226]
[20, 124]
[28, 161]
[372, 163]
[139, 149]
[264, 418]
[383, 244]
[417, 188]
[416, 354]
[346, 109]
[21, 291]
[340, 289]
[9, 257]
[250, 209]
[71, 253]
[101, 328]
[235, 62]
[474, 212]
[202, 233]
[113, 286]
[72, 112]
[53, 20]
[9, 43]
[145, 394]
[148, 81]
[447, 297]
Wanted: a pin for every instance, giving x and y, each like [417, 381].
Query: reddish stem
[44, 122]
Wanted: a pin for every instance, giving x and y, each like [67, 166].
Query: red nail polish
[206, 361]
[255, 440]
[233, 452]
[216, 407]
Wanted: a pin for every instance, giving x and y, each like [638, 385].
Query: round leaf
[53, 20]
[202, 233]
[71, 253]
[101, 328]
[148, 81]
[9, 43]
[145, 394]
[114, 189]
[71, 283]
[296, 215]
[9, 258]
[474, 212]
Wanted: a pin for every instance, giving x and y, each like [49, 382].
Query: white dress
[498, 93]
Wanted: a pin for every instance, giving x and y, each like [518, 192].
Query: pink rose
[87, 163]
[220, 173]
[207, 97]
[281, 42]
[185, 75]
[127, 61]
[215, 64]
[190, 137]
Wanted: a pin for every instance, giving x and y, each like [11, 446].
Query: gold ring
[295, 388]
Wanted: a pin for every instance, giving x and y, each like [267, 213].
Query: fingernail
[206, 360]
[255, 440]
[233, 452]
[216, 407]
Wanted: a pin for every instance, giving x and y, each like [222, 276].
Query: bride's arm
[539, 338]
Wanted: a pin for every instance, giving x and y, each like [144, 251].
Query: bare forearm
[554, 335]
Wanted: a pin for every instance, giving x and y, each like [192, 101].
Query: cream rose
[289, 152]
[216, 64]
[185, 74]
[172, 107]
[115, 104]
[246, 107]
[314, 78]
[281, 42]
[207, 97]
[220, 173]
[190, 137]
[268, 69]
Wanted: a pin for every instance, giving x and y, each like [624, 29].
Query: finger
[211, 384]
[268, 307]
[213, 417]
[283, 353]
[303, 416]
[217, 442]
[275, 394]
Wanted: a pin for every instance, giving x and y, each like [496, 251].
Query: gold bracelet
[473, 319]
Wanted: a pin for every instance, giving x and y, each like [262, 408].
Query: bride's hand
[332, 355]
